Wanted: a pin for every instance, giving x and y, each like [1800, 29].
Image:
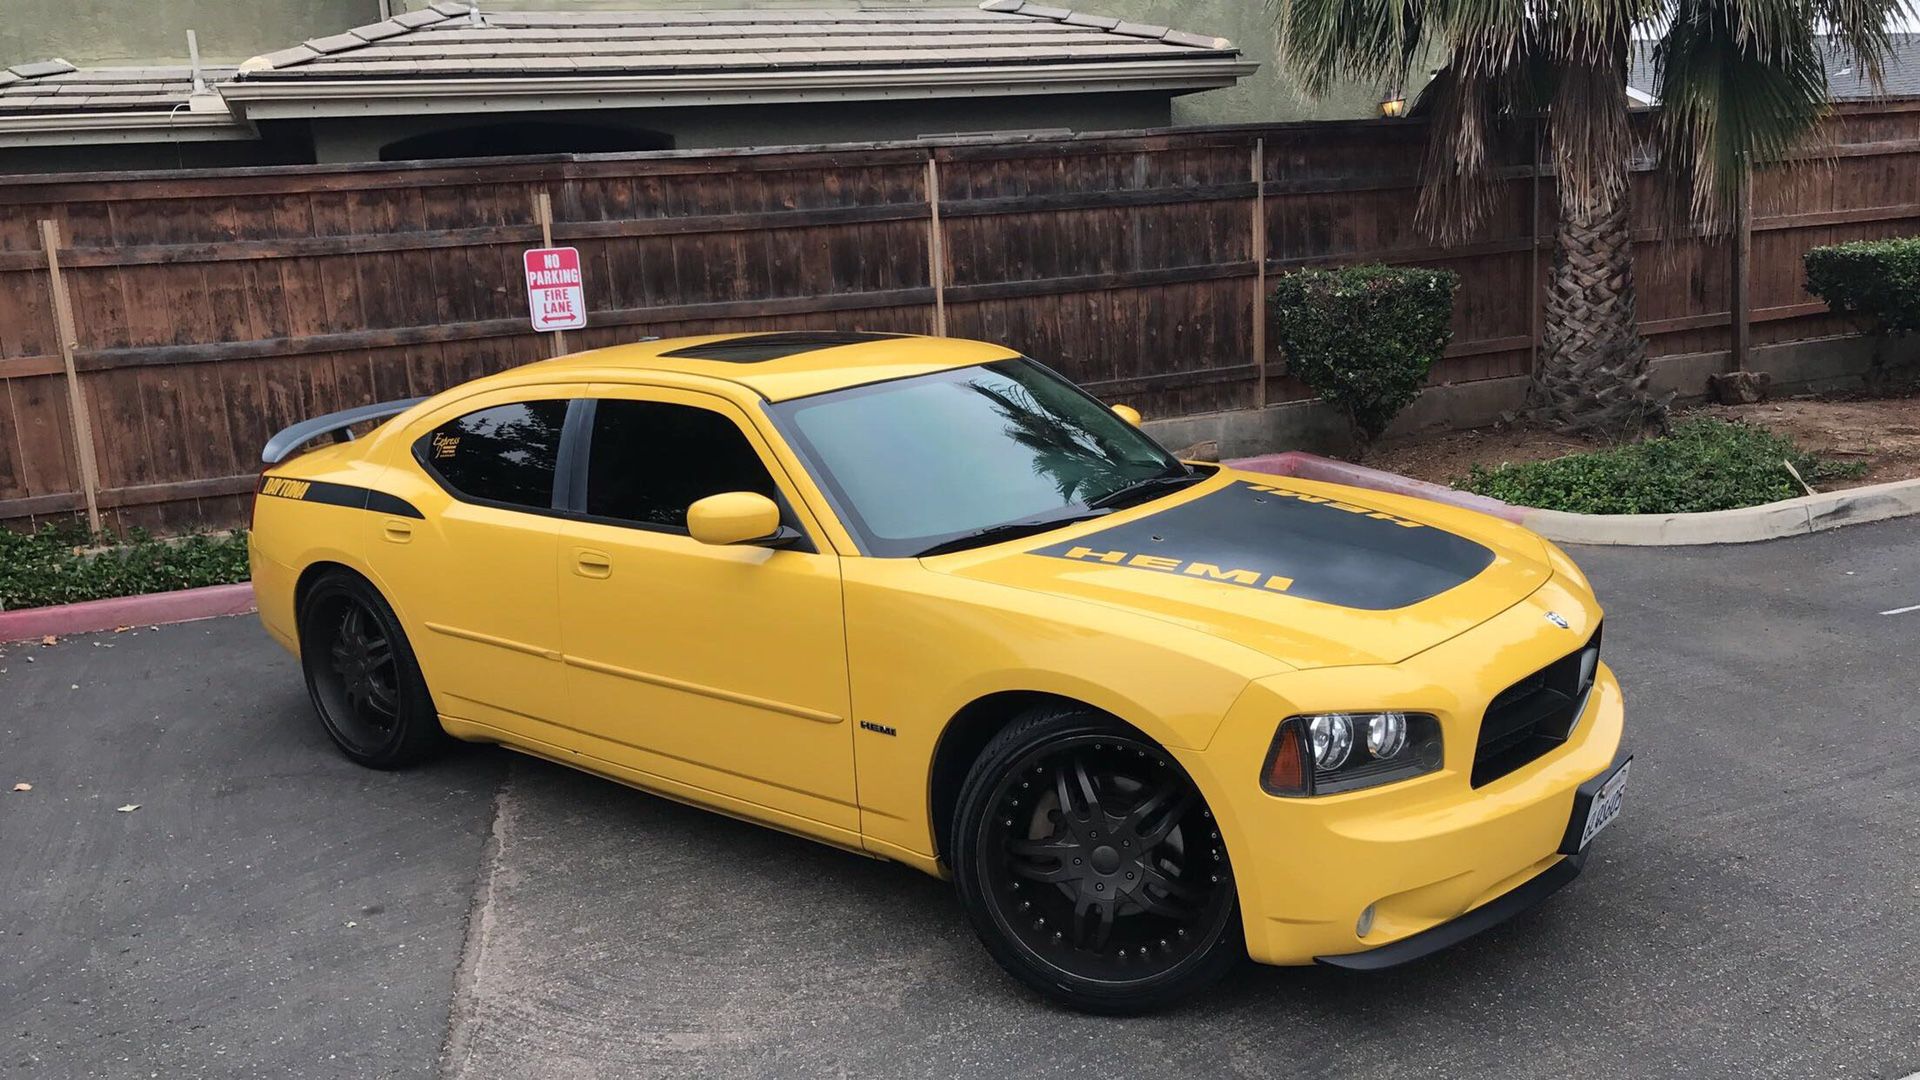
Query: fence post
[76, 394]
[1260, 273]
[1533, 252]
[543, 212]
[936, 248]
[1741, 307]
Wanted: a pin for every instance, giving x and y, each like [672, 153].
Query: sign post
[556, 294]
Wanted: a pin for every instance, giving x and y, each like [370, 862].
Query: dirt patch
[1882, 432]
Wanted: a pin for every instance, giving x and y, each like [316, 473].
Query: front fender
[922, 646]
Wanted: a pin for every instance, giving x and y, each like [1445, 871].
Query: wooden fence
[156, 328]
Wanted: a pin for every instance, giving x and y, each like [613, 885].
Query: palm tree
[1738, 80]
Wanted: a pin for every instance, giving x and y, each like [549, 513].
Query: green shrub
[1363, 337]
[1702, 465]
[1875, 281]
[58, 565]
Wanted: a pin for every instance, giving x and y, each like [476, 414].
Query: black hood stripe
[1279, 539]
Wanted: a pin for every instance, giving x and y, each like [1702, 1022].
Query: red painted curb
[152, 609]
[1314, 467]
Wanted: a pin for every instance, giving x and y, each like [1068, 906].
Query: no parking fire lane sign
[556, 296]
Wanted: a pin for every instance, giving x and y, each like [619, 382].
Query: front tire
[362, 675]
[1091, 866]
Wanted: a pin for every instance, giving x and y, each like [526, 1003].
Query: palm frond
[1473, 107]
[1325, 41]
[1738, 82]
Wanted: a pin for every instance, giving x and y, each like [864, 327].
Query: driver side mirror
[1128, 413]
[738, 517]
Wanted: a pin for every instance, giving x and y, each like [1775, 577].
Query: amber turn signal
[1286, 769]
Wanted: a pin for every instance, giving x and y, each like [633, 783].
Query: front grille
[1534, 715]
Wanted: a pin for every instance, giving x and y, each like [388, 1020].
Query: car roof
[776, 365]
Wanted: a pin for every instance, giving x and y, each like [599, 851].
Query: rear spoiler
[285, 442]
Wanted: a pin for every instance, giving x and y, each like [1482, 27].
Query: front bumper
[1527, 894]
[1424, 854]
[1485, 917]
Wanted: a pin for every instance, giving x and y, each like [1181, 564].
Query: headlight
[1317, 755]
[1332, 737]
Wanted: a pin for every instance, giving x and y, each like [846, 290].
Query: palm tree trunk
[1592, 376]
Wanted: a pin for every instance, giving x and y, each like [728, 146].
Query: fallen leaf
[23, 786]
[49, 640]
[129, 808]
[121, 629]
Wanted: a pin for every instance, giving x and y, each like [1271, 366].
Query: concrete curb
[186, 605]
[1793, 517]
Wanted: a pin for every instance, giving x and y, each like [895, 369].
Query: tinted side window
[651, 460]
[505, 454]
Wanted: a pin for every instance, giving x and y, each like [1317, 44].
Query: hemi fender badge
[881, 728]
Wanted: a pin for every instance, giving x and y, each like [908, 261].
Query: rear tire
[362, 676]
[1091, 866]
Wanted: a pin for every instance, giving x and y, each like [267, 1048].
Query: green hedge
[1875, 281]
[1364, 337]
[60, 565]
[1702, 465]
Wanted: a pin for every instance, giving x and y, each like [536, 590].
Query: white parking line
[1903, 611]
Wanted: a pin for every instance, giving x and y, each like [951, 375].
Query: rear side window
[650, 460]
[506, 454]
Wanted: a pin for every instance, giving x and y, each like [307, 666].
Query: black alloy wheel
[1092, 867]
[362, 676]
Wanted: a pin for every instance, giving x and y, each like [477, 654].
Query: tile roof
[55, 86]
[1845, 82]
[451, 41]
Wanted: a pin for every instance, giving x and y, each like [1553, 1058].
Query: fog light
[1332, 736]
[1387, 734]
[1365, 925]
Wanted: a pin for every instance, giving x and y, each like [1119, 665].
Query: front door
[719, 673]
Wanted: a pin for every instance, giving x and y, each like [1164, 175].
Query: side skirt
[702, 798]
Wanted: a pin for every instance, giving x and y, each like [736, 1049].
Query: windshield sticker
[1279, 539]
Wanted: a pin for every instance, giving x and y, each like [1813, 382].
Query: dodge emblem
[1559, 620]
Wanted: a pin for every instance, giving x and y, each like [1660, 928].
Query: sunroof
[759, 347]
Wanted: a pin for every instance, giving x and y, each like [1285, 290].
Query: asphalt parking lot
[270, 909]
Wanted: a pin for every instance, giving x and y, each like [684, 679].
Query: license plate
[1605, 806]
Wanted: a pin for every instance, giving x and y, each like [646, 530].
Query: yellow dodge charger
[926, 600]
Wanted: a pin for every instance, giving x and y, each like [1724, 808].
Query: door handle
[397, 531]
[593, 564]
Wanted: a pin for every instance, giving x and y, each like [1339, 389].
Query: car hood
[1311, 574]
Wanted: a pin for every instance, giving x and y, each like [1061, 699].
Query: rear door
[721, 670]
[474, 576]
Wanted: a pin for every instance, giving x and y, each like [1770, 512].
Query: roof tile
[378, 31]
[299, 54]
[1202, 41]
[334, 43]
[432, 44]
[37, 68]
[413, 20]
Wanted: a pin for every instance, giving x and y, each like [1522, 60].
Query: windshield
[924, 463]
